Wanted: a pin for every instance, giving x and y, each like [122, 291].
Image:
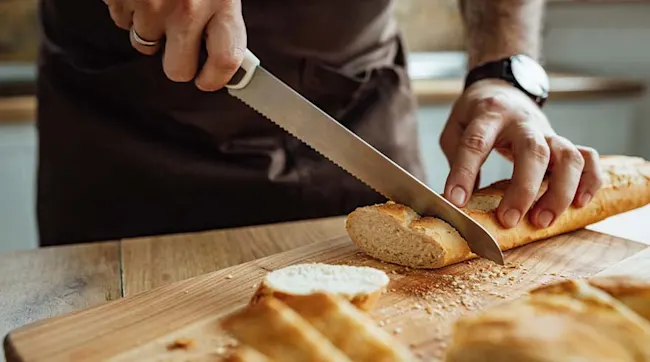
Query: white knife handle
[245, 72]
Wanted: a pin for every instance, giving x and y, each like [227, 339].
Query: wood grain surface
[418, 308]
[56, 281]
[156, 261]
[637, 265]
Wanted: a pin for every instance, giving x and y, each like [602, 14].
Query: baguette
[569, 321]
[278, 332]
[395, 233]
[361, 285]
[349, 329]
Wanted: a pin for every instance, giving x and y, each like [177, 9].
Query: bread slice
[361, 285]
[633, 292]
[572, 321]
[278, 332]
[349, 329]
[395, 233]
[246, 354]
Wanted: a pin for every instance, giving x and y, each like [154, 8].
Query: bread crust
[633, 292]
[349, 329]
[429, 242]
[279, 333]
[364, 302]
[565, 321]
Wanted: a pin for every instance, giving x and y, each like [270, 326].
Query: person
[137, 135]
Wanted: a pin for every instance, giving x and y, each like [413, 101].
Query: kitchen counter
[564, 86]
[42, 283]
[22, 108]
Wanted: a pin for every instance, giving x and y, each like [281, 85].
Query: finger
[226, 45]
[148, 26]
[183, 37]
[450, 137]
[122, 15]
[591, 179]
[568, 165]
[473, 148]
[531, 156]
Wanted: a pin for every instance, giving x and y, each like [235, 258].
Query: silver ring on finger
[139, 40]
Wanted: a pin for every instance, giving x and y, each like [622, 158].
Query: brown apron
[124, 152]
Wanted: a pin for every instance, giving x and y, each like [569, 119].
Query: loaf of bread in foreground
[349, 329]
[279, 333]
[395, 233]
[361, 285]
[568, 321]
[311, 327]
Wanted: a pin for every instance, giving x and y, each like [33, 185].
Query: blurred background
[597, 52]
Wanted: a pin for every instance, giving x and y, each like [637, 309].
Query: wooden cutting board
[418, 308]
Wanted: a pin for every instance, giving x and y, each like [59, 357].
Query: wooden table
[38, 284]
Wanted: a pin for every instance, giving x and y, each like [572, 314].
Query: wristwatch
[519, 70]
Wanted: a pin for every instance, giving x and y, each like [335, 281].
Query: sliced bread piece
[395, 233]
[277, 331]
[570, 321]
[633, 292]
[361, 285]
[349, 329]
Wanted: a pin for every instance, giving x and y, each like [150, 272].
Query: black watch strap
[500, 69]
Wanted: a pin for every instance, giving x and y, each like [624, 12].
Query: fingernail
[545, 218]
[585, 198]
[457, 195]
[511, 218]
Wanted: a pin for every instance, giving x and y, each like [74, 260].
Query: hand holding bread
[395, 233]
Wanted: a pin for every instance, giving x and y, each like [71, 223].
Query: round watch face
[530, 75]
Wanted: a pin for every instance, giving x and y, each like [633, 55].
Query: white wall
[610, 39]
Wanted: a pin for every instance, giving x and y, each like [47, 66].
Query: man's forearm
[496, 29]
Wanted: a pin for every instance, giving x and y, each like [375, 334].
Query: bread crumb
[392, 290]
[382, 323]
[397, 330]
[254, 286]
[229, 276]
[181, 343]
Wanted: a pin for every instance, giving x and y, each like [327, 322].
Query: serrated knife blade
[275, 100]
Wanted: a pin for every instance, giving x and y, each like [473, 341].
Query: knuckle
[570, 156]
[463, 173]
[494, 103]
[187, 6]
[475, 143]
[536, 148]
[591, 153]
[228, 61]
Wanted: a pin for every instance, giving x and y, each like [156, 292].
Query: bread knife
[275, 100]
